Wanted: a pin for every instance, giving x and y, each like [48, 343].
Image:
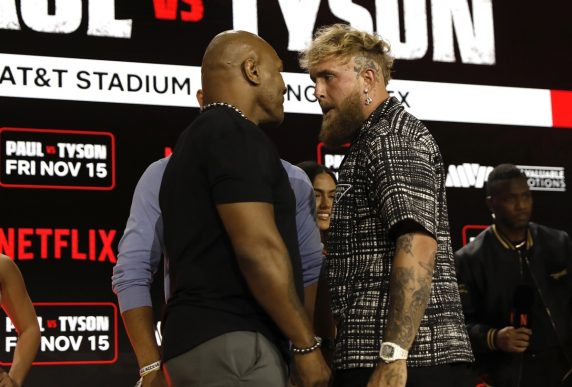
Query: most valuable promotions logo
[545, 178]
[473, 175]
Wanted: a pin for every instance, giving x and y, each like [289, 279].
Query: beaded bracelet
[302, 351]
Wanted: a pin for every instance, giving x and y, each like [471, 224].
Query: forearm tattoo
[394, 378]
[409, 293]
[405, 243]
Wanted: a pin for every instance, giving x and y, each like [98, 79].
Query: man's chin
[272, 122]
[522, 224]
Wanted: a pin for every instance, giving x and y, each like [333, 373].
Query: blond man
[390, 268]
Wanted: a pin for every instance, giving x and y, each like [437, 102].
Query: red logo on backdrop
[57, 159]
[72, 333]
[169, 9]
[331, 157]
[95, 245]
[470, 231]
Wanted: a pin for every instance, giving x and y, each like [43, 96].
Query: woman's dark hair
[313, 169]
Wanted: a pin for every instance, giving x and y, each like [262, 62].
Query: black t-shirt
[221, 158]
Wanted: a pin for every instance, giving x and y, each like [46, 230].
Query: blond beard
[343, 125]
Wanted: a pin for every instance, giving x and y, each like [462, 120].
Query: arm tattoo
[409, 293]
[405, 243]
[394, 377]
[400, 324]
[362, 63]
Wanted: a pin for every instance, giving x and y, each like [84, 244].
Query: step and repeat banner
[93, 91]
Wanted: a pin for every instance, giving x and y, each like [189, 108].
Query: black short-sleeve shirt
[221, 158]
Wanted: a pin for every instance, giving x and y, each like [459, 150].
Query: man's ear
[370, 78]
[200, 98]
[489, 201]
[250, 69]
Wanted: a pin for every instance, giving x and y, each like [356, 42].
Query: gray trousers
[233, 359]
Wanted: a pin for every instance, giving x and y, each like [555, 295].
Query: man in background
[516, 288]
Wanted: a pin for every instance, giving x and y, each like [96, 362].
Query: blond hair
[344, 42]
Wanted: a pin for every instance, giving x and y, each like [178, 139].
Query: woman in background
[17, 305]
[324, 182]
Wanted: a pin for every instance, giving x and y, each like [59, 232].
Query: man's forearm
[267, 270]
[139, 326]
[265, 264]
[310, 293]
[410, 287]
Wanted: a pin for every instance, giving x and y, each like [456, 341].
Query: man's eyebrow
[320, 73]
[323, 71]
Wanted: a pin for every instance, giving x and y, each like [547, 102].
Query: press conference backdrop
[92, 91]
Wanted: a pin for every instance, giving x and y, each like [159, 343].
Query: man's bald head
[240, 68]
[224, 57]
[229, 49]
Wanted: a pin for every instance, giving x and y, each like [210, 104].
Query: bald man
[230, 233]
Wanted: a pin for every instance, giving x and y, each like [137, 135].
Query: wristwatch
[390, 352]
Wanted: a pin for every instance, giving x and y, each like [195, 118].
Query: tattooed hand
[389, 375]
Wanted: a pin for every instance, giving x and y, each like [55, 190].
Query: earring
[368, 99]
[493, 215]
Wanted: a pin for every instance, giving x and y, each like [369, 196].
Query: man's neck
[512, 234]
[368, 109]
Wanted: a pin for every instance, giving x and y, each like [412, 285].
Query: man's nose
[319, 90]
[521, 204]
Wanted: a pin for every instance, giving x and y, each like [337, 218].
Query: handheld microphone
[522, 306]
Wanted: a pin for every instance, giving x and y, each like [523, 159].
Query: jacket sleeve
[308, 233]
[568, 253]
[481, 335]
[141, 246]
